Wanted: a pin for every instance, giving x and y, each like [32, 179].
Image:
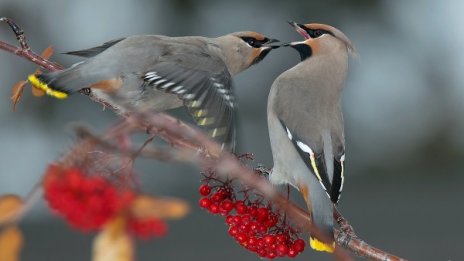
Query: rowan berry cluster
[253, 222]
[87, 202]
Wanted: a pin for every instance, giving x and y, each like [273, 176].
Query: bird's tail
[322, 216]
[58, 84]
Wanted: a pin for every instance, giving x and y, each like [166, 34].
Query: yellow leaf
[10, 205]
[11, 241]
[17, 92]
[113, 243]
[163, 208]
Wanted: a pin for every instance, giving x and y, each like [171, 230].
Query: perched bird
[306, 123]
[158, 72]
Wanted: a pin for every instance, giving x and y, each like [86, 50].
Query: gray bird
[306, 123]
[159, 72]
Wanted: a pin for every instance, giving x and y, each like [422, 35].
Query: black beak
[270, 42]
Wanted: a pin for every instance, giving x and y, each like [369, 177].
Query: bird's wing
[203, 82]
[314, 158]
[91, 52]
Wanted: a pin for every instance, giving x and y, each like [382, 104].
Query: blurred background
[402, 102]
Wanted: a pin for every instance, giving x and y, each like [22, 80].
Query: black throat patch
[304, 50]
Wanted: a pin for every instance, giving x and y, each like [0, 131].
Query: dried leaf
[163, 208]
[9, 207]
[113, 243]
[17, 92]
[47, 53]
[11, 241]
[37, 92]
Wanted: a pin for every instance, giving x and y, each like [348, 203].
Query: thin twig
[181, 135]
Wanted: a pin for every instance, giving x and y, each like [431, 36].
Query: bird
[305, 123]
[157, 73]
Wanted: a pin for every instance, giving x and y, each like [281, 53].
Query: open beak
[269, 44]
[299, 29]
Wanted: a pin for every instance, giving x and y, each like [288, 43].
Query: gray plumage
[306, 124]
[153, 72]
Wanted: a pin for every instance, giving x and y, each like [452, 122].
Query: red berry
[240, 207]
[260, 243]
[271, 255]
[292, 252]
[244, 228]
[241, 237]
[254, 227]
[233, 231]
[237, 220]
[230, 220]
[262, 229]
[262, 253]
[246, 219]
[217, 197]
[281, 238]
[224, 193]
[272, 221]
[269, 239]
[272, 247]
[205, 202]
[282, 250]
[262, 215]
[253, 210]
[253, 241]
[227, 205]
[205, 190]
[299, 245]
[214, 208]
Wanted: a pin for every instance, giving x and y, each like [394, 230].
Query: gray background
[403, 110]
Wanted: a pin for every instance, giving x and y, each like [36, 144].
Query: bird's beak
[269, 44]
[299, 28]
[291, 44]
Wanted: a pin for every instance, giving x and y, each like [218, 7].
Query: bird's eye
[252, 42]
[86, 91]
[315, 33]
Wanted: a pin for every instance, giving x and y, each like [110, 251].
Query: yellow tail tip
[36, 83]
[320, 246]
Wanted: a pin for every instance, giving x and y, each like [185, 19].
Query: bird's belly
[288, 168]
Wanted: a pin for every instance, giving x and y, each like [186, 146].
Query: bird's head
[244, 49]
[320, 39]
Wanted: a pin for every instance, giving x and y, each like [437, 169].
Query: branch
[185, 137]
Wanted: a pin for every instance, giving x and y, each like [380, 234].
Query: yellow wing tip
[36, 83]
[320, 246]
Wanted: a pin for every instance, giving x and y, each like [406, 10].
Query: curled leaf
[17, 92]
[10, 205]
[47, 53]
[11, 241]
[113, 243]
[163, 208]
[37, 92]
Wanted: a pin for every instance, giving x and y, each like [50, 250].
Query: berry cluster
[87, 202]
[255, 225]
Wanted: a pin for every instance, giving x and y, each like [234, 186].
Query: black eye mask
[253, 42]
